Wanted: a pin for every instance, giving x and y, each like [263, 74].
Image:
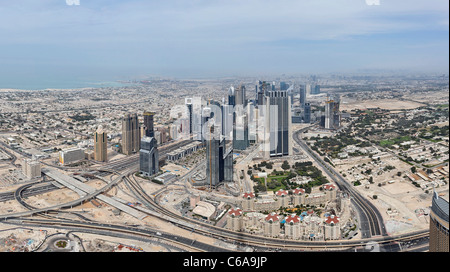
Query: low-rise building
[205, 210]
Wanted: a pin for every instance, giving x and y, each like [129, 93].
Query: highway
[237, 238]
[384, 242]
[71, 203]
[122, 231]
[371, 221]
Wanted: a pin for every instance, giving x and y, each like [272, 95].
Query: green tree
[285, 165]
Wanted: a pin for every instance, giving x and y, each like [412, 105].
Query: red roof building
[332, 219]
[248, 195]
[329, 187]
[272, 217]
[235, 212]
[282, 193]
[293, 218]
[298, 191]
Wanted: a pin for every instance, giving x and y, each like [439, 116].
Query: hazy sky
[113, 39]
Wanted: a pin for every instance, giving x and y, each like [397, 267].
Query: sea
[62, 84]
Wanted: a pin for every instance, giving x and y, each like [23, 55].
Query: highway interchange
[372, 227]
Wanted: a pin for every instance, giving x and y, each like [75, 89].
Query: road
[371, 221]
[384, 243]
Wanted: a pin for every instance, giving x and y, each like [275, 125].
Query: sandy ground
[401, 197]
[389, 104]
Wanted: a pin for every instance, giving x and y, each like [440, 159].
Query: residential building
[272, 225]
[332, 229]
[292, 227]
[234, 219]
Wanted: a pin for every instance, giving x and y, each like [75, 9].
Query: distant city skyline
[44, 42]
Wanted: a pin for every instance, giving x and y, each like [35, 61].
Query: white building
[332, 228]
[234, 219]
[292, 227]
[71, 155]
[272, 225]
[31, 168]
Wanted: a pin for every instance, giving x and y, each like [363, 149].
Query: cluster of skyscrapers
[227, 126]
[238, 122]
[137, 138]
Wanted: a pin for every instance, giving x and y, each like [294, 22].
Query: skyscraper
[332, 115]
[329, 114]
[240, 120]
[263, 88]
[439, 217]
[130, 134]
[148, 157]
[316, 89]
[148, 124]
[278, 124]
[227, 122]
[206, 115]
[100, 145]
[190, 114]
[219, 157]
[240, 131]
[194, 114]
[240, 96]
[231, 96]
[307, 113]
[302, 98]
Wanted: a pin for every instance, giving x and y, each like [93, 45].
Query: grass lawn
[397, 140]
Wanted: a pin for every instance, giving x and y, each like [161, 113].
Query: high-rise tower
[302, 97]
[278, 124]
[439, 224]
[148, 124]
[100, 145]
[148, 157]
[219, 157]
[130, 134]
[240, 120]
[307, 113]
[332, 115]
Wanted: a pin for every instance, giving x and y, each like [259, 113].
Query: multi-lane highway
[373, 227]
[371, 221]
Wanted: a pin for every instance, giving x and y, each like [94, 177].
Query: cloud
[225, 34]
[215, 20]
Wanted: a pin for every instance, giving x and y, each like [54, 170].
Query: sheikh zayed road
[220, 166]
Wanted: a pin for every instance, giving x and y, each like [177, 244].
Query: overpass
[83, 189]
